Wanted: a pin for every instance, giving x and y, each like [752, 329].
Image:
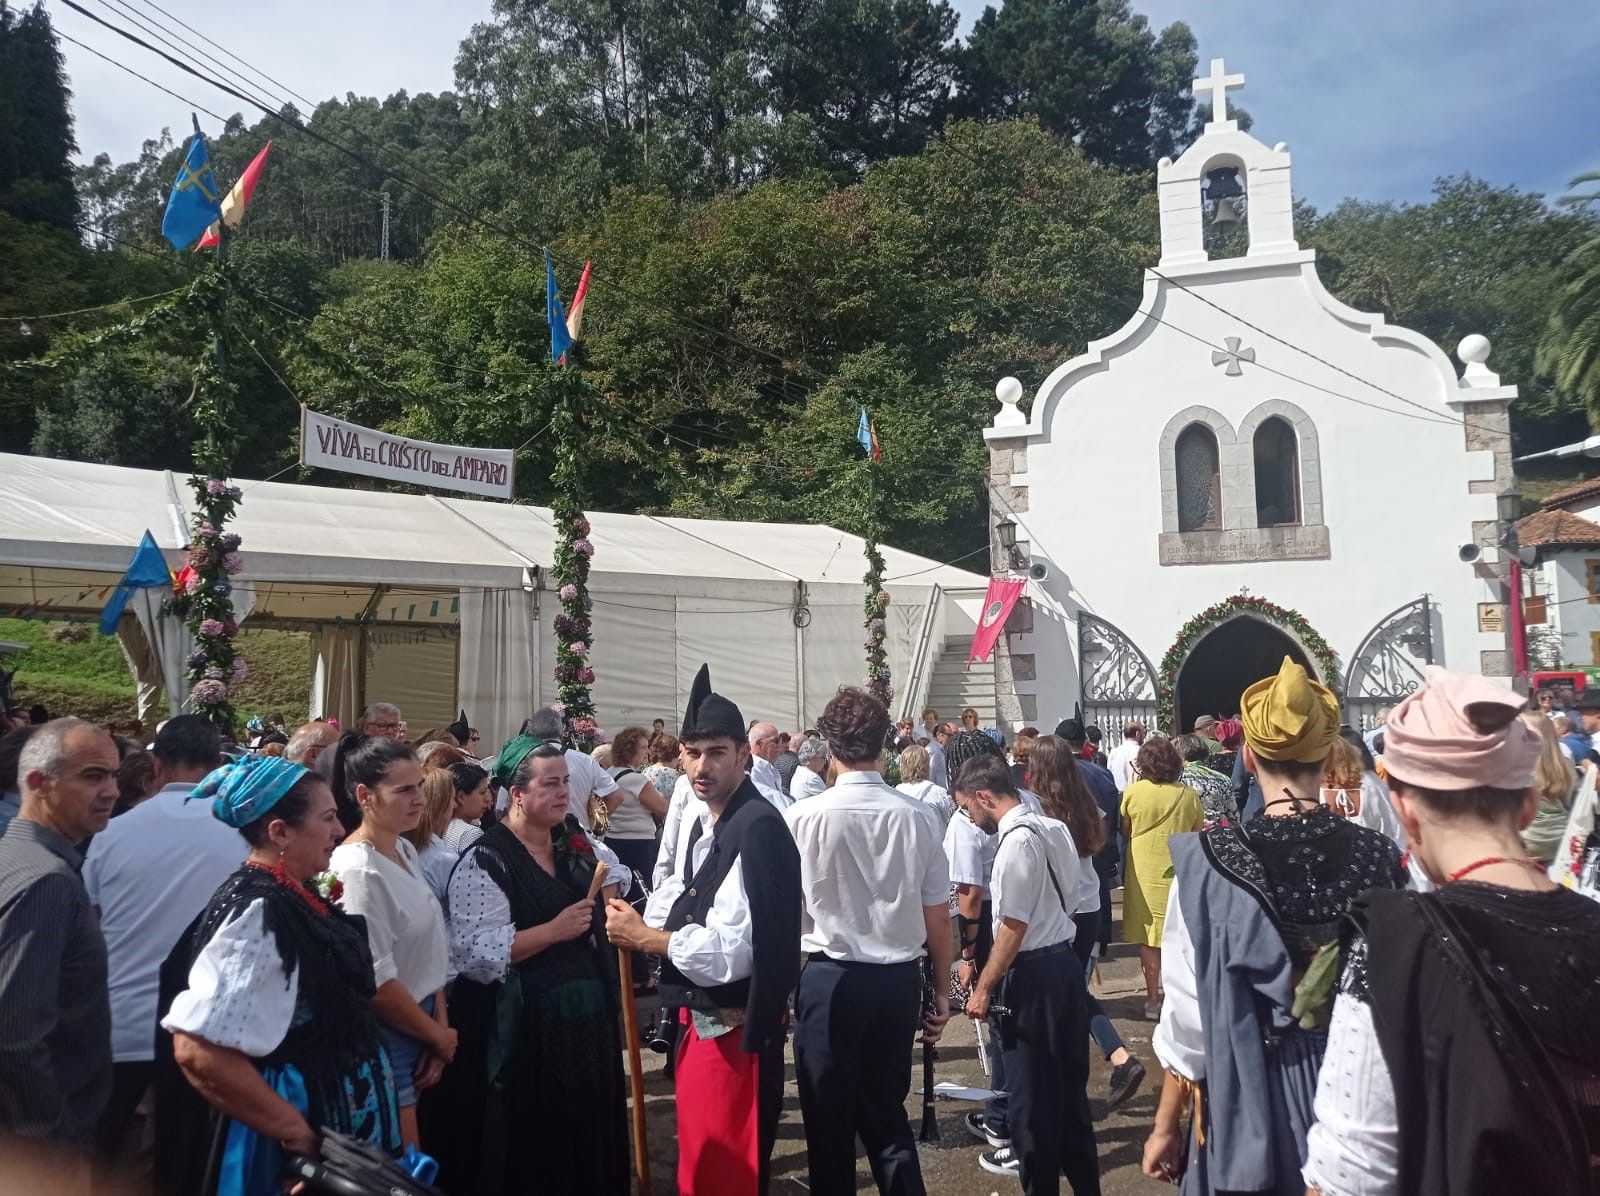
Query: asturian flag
[867, 436]
[196, 200]
[554, 314]
[234, 203]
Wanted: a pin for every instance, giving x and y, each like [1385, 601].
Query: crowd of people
[1367, 957]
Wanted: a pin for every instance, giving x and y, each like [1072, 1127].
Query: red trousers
[719, 1140]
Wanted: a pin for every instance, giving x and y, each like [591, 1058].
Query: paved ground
[950, 1167]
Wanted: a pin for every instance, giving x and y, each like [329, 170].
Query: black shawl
[751, 830]
[1485, 1001]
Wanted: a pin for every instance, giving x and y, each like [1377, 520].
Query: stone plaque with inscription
[1236, 545]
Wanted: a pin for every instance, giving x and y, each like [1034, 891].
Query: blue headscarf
[245, 789]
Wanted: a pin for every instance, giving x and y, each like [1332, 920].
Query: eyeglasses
[383, 728]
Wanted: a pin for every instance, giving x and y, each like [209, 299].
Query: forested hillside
[794, 207]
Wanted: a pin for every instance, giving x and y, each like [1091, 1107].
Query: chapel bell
[1224, 192]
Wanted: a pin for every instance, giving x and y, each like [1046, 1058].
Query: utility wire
[80, 311]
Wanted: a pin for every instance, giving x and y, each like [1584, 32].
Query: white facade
[1395, 464]
[1571, 605]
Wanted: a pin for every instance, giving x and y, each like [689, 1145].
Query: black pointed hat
[709, 715]
[460, 728]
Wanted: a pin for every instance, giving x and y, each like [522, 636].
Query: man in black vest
[726, 923]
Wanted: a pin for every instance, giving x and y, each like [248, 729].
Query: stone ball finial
[1164, 163]
[1008, 391]
[1474, 348]
[1281, 148]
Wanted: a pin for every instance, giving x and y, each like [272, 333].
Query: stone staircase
[952, 687]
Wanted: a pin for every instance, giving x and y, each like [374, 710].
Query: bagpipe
[350, 1167]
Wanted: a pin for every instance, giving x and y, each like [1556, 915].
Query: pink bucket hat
[1460, 732]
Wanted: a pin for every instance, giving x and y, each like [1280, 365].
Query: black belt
[1038, 953]
[823, 957]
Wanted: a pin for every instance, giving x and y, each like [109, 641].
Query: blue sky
[1376, 98]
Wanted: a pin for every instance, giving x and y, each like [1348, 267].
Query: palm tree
[1570, 348]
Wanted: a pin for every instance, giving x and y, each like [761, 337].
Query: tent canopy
[779, 606]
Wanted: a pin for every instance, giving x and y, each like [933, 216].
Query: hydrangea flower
[216, 487]
[568, 592]
[211, 627]
[582, 547]
[233, 562]
[586, 675]
[209, 693]
[578, 647]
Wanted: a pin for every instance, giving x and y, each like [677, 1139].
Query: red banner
[997, 603]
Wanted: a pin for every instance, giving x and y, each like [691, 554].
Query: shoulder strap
[1054, 883]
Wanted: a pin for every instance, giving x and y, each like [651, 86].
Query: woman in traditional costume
[536, 1094]
[1462, 1058]
[1250, 956]
[267, 1000]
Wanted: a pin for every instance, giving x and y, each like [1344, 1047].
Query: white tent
[438, 603]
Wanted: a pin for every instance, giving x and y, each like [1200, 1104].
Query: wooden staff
[630, 1029]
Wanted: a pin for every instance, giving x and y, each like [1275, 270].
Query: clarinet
[930, 1117]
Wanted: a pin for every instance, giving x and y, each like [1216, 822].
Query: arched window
[1277, 458]
[1199, 479]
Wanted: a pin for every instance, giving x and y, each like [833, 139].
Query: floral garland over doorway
[1208, 620]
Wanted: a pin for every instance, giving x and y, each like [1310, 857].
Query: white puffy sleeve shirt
[1178, 1041]
[1353, 1149]
[721, 950]
[238, 996]
[481, 929]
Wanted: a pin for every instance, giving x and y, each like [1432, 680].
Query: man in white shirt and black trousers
[876, 890]
[1034, 980]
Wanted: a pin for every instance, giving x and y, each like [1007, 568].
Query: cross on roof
[1218, 83]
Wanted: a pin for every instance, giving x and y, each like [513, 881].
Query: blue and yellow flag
[196, 200]
[560, 338]
[867, 436]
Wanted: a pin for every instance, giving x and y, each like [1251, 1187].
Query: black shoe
[1001, 1162]
[1125, 1081]
[979, 1129]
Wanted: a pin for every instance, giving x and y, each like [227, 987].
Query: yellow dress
[1155, 812]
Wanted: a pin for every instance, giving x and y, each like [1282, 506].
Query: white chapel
[1245, 470]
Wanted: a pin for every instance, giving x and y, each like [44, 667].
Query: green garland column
[574, 628]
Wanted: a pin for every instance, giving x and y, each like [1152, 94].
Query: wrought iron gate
[1118, 681]
[1389, 664]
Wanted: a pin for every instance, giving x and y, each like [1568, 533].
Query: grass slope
[88, 677]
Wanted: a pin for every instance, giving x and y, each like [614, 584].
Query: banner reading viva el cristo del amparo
[329, 443]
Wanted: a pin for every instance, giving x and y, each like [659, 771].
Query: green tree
[36, 142]
[1090, 71]
[1477, 258]
[1569, 351]
[872, 78]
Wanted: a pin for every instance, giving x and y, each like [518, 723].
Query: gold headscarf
[1290, 717]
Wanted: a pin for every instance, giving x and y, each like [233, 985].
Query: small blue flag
[560, 338]
[147, 569]
[864, 433]
[196, 200]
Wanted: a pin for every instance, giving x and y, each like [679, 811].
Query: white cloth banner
[329, 443]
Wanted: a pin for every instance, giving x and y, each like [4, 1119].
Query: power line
[80, 311]
[223, 120]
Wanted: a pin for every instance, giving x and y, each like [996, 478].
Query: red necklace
[280, 874]
[1491, 859]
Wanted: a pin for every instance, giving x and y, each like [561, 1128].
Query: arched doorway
[1232, 657]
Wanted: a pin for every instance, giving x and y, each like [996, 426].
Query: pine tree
[36, 142]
